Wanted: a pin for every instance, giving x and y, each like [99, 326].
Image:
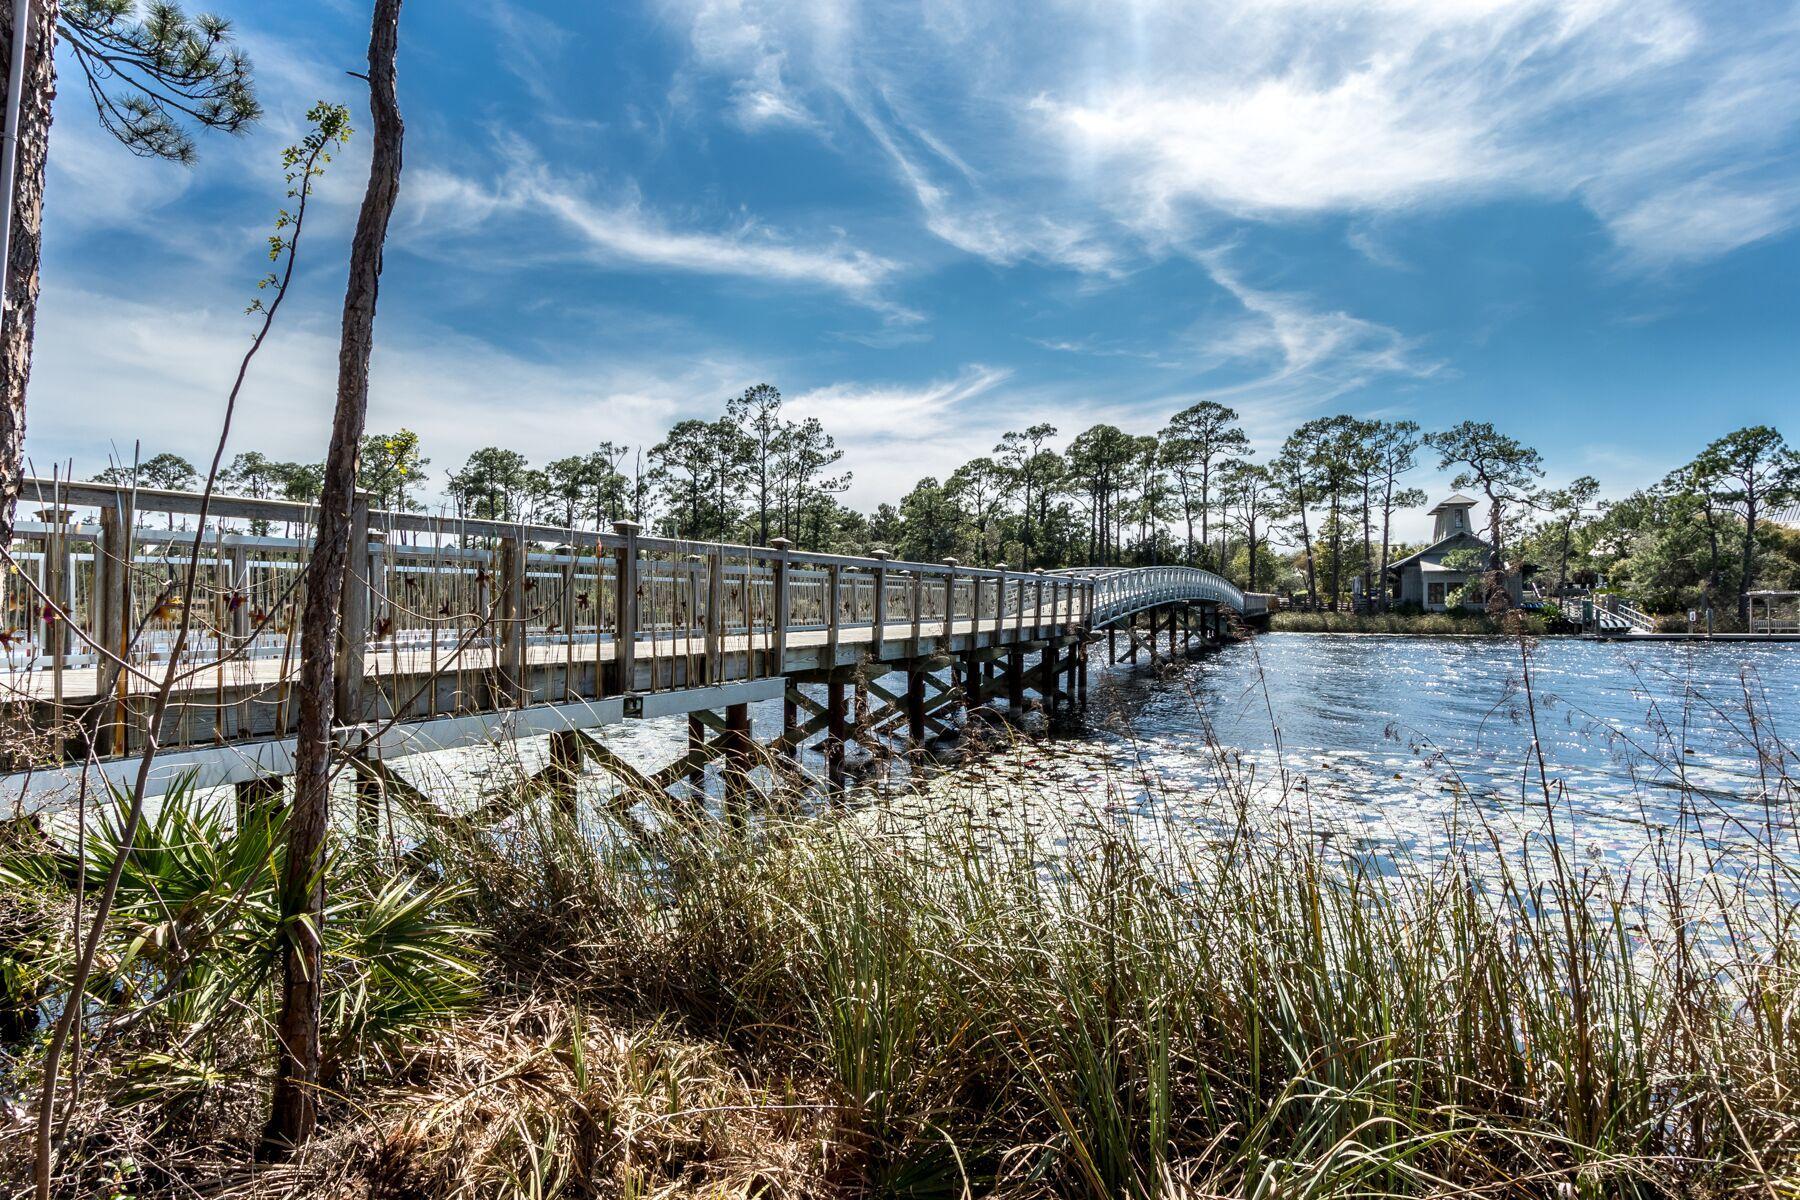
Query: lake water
[1400, 743]
[1402, 746]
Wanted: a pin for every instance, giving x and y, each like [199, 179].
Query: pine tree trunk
[294, 1108]
[17, 330]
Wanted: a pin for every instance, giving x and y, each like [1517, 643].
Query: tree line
[1315, 520]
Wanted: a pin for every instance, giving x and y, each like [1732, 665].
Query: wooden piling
[252, 794]
[696, 742]
[837, 733]
[739, 759]
[367, 788]
[790, 721]
[565, 770]
[915, 703]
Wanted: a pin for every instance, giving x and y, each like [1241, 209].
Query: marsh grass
[1417, 624]
[994, 989]
[1112, 1011]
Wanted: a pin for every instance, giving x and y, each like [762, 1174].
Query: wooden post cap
[952, 562]
[781, 543]
[883, 555]
[625, 527]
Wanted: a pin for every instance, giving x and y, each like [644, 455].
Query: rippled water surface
[1396, 739]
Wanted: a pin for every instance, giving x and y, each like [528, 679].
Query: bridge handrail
[77, 494]
[629, 585]
[1118, 589]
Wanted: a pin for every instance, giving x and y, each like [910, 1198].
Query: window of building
[1434, 593]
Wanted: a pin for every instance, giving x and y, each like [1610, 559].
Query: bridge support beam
[696, 744]
[790, 720]
[367, 789]
[1047, 672]
[836, 734]
[564, 771]
[915, 705]
[252, 794]
[1015, 681]
[739, 760]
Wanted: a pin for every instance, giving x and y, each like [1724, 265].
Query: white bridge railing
[1119, 592]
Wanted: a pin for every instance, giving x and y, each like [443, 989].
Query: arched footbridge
[458, 632]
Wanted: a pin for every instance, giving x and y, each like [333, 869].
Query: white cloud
[863, 411]
[1078, 120]
[893, 434]
[727, 32]
[1702, 219]
[626, 234]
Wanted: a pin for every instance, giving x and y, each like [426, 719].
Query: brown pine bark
[27, 239]
[294, 1109]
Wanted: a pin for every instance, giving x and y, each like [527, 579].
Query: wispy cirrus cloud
[624, 233]
[864, 411]
[1292, 357]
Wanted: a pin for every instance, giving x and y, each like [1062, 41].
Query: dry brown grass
[532, 1097]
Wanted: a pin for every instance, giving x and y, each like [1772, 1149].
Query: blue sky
[930, 222]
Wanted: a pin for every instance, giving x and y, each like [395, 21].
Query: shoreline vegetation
[967, 992]
[1414, 624]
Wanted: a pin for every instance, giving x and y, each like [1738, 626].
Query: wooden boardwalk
[457, 631]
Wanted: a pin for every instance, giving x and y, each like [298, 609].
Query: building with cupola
[1424, 580]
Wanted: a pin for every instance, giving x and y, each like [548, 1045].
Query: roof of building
[1457, 501]
[1789, 516]
[1442, 544]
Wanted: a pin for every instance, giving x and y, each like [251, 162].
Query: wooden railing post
[112, 598]
[626, 609]
[880, 634]
[776, 662]
[353, 617]
[1000, 603]
[515, 564]
[918, 609]
[696, 613]
[240, 594]
[833, 617]
[950, 601]
[1037, 605]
